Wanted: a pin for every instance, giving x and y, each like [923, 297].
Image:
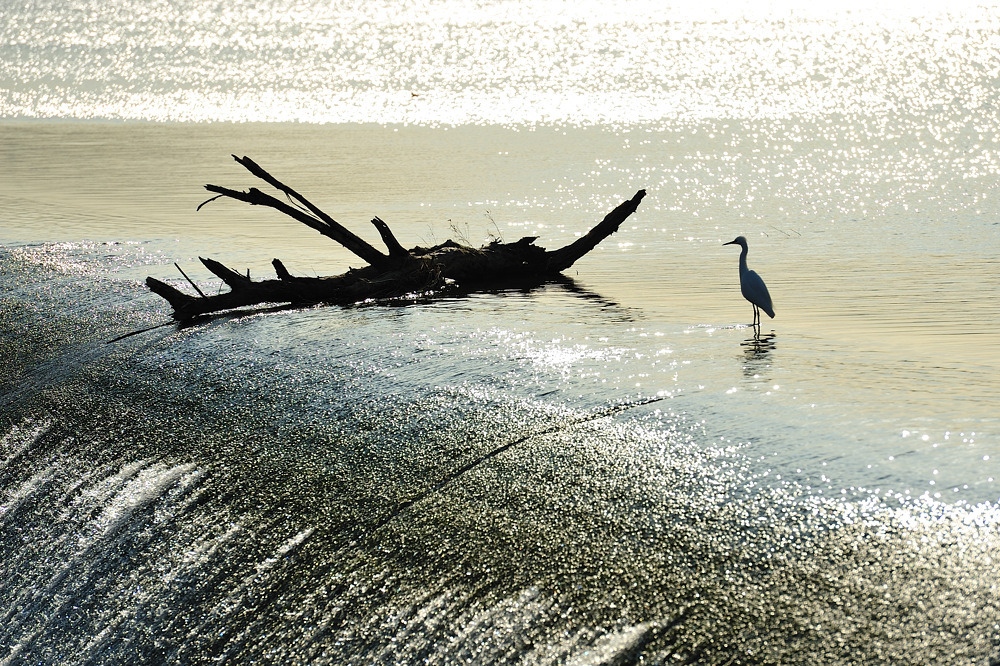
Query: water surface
[608, 468]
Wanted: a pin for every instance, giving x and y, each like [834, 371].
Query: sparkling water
[610, 468]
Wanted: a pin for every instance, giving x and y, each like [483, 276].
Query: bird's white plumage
[751, 285]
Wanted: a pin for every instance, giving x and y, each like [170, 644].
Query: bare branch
[564, 257]
[395, 249]
[200, 292]
[399, 273]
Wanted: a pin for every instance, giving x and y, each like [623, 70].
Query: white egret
[751, 286]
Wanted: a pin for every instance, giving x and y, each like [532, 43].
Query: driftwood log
[388, 275]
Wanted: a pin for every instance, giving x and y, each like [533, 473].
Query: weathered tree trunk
[397, 273]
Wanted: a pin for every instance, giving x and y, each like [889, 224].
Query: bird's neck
[743, 261]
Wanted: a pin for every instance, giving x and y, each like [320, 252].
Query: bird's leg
[756, 316]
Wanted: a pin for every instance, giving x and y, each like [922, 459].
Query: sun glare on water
[463, 61]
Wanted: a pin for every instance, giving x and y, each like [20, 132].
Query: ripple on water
[463, 62]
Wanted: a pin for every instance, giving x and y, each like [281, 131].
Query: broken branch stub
[395, 274]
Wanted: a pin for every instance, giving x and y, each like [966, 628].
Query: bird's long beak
[732, 242]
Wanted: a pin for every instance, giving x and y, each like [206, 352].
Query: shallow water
[601, 468]
[433, 483]
[611, 468]
[868, 346]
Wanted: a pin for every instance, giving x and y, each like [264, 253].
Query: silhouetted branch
[396, 274]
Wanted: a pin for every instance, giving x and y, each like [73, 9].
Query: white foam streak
[102, 508]
[23, 493]
[612, 648]
[148, 485]
[20, 439]
[237, 599]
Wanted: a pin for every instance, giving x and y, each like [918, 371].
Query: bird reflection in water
[756, 352]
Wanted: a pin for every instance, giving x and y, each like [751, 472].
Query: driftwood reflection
[527, 285]
[609, 306]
